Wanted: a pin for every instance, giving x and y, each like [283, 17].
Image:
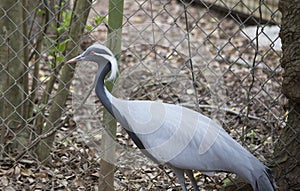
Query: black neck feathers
[100, 88]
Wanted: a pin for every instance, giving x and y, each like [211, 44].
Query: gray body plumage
[187, 140]
[169, 134]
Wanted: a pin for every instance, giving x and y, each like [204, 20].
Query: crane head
[99, 54]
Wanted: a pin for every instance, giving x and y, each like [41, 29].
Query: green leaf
[62, 46]
[49, 63]
[60, 58]
[59, 29]
[251, 133]
[40, 11]
[99, 19]
[89, 28]
[226, 181]
[66, 18]
[42, 106]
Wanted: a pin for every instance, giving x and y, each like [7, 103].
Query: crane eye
[92, 53]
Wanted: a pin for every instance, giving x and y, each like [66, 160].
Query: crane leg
[191, 177]
[180, 175]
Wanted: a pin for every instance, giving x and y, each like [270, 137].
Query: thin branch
[244, 63]
[86, 96]
[190, 54]
[39, 138]
[252, 70]
[35, 54]
[226, 109]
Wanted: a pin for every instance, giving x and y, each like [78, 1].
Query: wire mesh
[187, 53]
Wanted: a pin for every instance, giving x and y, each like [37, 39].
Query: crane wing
[179, 136]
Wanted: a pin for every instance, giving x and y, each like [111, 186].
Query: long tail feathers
[266, 182]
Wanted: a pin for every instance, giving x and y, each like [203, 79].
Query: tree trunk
[114, 40]
[14, 133]
[287, 155]
[79, 18]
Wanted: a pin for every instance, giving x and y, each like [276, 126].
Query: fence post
[114, 40]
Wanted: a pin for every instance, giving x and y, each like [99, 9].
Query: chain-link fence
[221, 58]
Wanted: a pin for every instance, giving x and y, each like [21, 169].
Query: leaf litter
[158, 69]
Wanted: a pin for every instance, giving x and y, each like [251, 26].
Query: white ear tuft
[113, 63]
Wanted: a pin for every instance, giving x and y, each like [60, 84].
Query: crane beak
[75, 59]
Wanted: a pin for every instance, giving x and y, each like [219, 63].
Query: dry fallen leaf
[26, 172]
[4, 181]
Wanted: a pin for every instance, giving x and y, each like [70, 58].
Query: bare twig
[252, 70]
[226, 110]
[38, 139]
[190, 54]
[244, 63]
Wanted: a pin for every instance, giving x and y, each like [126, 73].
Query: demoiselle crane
[181, 138]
